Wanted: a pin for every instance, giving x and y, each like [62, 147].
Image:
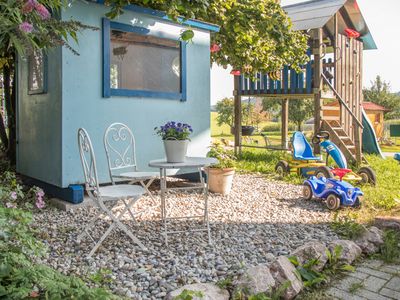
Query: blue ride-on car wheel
[307, 191]
[333, 202]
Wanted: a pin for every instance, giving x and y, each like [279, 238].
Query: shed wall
[84, 106]
[39, 124]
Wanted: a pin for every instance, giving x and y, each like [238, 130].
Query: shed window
[144, 62]
[37, 73]
[140, 64]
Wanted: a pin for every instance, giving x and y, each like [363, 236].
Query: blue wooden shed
[133, 70]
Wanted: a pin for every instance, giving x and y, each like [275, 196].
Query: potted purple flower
[175, 136]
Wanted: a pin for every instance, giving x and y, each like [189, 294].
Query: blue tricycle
[334, 191]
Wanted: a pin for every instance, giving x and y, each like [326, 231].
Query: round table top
[190, 162]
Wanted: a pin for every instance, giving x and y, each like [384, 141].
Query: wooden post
[359, 98]
[238, 115]
[285, 123]
[317, 88]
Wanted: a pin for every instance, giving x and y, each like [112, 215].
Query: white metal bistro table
[198, 163]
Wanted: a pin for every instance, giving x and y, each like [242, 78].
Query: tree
[380, 93]
[226, 112]
[255, 35]
[299, 109]
[258, 115]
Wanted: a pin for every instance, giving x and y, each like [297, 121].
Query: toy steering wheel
[323, 135]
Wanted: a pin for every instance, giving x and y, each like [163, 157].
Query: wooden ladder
[338, 134]
[340, 138]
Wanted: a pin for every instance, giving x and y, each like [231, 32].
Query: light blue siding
[39, 124]
[84, 106]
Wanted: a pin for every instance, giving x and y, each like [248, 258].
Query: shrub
[21, 277]
[225, 157]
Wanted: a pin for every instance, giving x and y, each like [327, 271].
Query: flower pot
[220, 180]
[246, 130]
[175, 150]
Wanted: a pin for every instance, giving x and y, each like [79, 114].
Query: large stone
[209, 291]
[350, 250]
[283, 271]
[388, 222]
[257, 279]
[370, 240]
[309, 251]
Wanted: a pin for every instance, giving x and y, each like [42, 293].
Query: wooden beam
[238, 115]
[285, 123]
[346, 18]
[317, 51]
[329, 35]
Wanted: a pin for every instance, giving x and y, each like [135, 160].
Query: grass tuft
[390, 250]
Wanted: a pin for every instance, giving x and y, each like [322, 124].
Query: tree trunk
[3, 133]
[10, 97]
[299, 126]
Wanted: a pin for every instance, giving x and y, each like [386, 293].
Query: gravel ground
[260, 219]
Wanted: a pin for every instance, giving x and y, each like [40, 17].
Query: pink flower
[29, 6]
[40, 193]
[14, 195]
[10, 205]
[215, 48]
[40, 203]
[26, 27]
[42, 11]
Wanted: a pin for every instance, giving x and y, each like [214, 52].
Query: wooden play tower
[333, 74]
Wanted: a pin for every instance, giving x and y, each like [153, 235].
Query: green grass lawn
[384, 198]
[394, 148]
[224, 130]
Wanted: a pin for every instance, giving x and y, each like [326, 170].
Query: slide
[369, 141]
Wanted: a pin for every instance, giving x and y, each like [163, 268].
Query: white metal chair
[119, 144]
[129, 194]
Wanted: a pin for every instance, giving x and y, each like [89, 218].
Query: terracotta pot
[220, 180]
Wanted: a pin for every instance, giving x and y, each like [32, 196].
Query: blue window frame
[164, 84]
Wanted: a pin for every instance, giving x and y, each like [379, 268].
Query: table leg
[205, 196]
[162, 195]
[163, 204]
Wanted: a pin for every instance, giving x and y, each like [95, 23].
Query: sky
[382, 17]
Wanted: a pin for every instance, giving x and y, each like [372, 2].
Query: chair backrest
[88, 161]
[119, 144]
[301, 147]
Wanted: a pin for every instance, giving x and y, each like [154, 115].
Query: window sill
[146, 94]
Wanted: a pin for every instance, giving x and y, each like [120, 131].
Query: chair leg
[90, 225]
[146, 187]
[128, 205]
[122, 226]
[116, 222]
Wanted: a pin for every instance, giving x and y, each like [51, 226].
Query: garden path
[372, 280]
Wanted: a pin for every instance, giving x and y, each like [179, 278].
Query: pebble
[259, 220]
